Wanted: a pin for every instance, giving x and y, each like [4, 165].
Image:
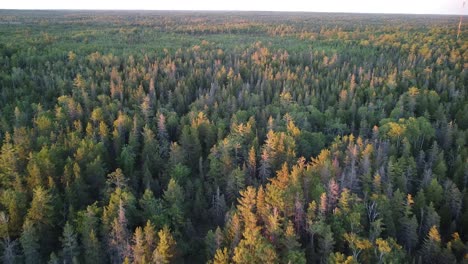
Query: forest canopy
[232, 137]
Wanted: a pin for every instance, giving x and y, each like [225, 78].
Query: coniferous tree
[88, 229]
[9, 255]
[30, 243]
[119, 238]
[165, 250]
[69, 241]
[138, 248]
[353, 151]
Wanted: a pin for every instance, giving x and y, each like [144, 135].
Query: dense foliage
[159, 137]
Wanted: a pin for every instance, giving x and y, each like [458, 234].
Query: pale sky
[361, 6]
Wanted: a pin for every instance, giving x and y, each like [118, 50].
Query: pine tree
[9, 250]
[8, 162]
[235, 183]
[15, 203]
[221, 256]
[246, 208]
[252, 166]
[174, 198]
[323, 205]
[210, 244]
[41, 217]
[150, 240]
[163, 137]
[408, 226]
[234, 232]
[219, 207]
[112, 211]
[431, 249]
[431, 218]
[126, 161]
[152, 209]
[119, 245]
[92, 248]
[264, 171]
[294, 253]
[299, 215]
[282, 177]
[117, 179]
[87, 227]
[453, 198]
[30, 243]
[41, 210]
[190, 142]
[273, 226]
[146, 108]
[138, 247]
[333, 193]
[151, 161]
[325, 239]
[253, 248]
[165, 250]
[261, 206]
[69, 244]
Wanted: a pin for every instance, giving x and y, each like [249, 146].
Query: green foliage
[310, 144]
[294, 138]
[30, 243]
[69, 241]
[174, 201]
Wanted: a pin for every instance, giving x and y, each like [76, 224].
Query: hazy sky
[362, 6]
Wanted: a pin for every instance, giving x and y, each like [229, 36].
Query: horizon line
[233, 10]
